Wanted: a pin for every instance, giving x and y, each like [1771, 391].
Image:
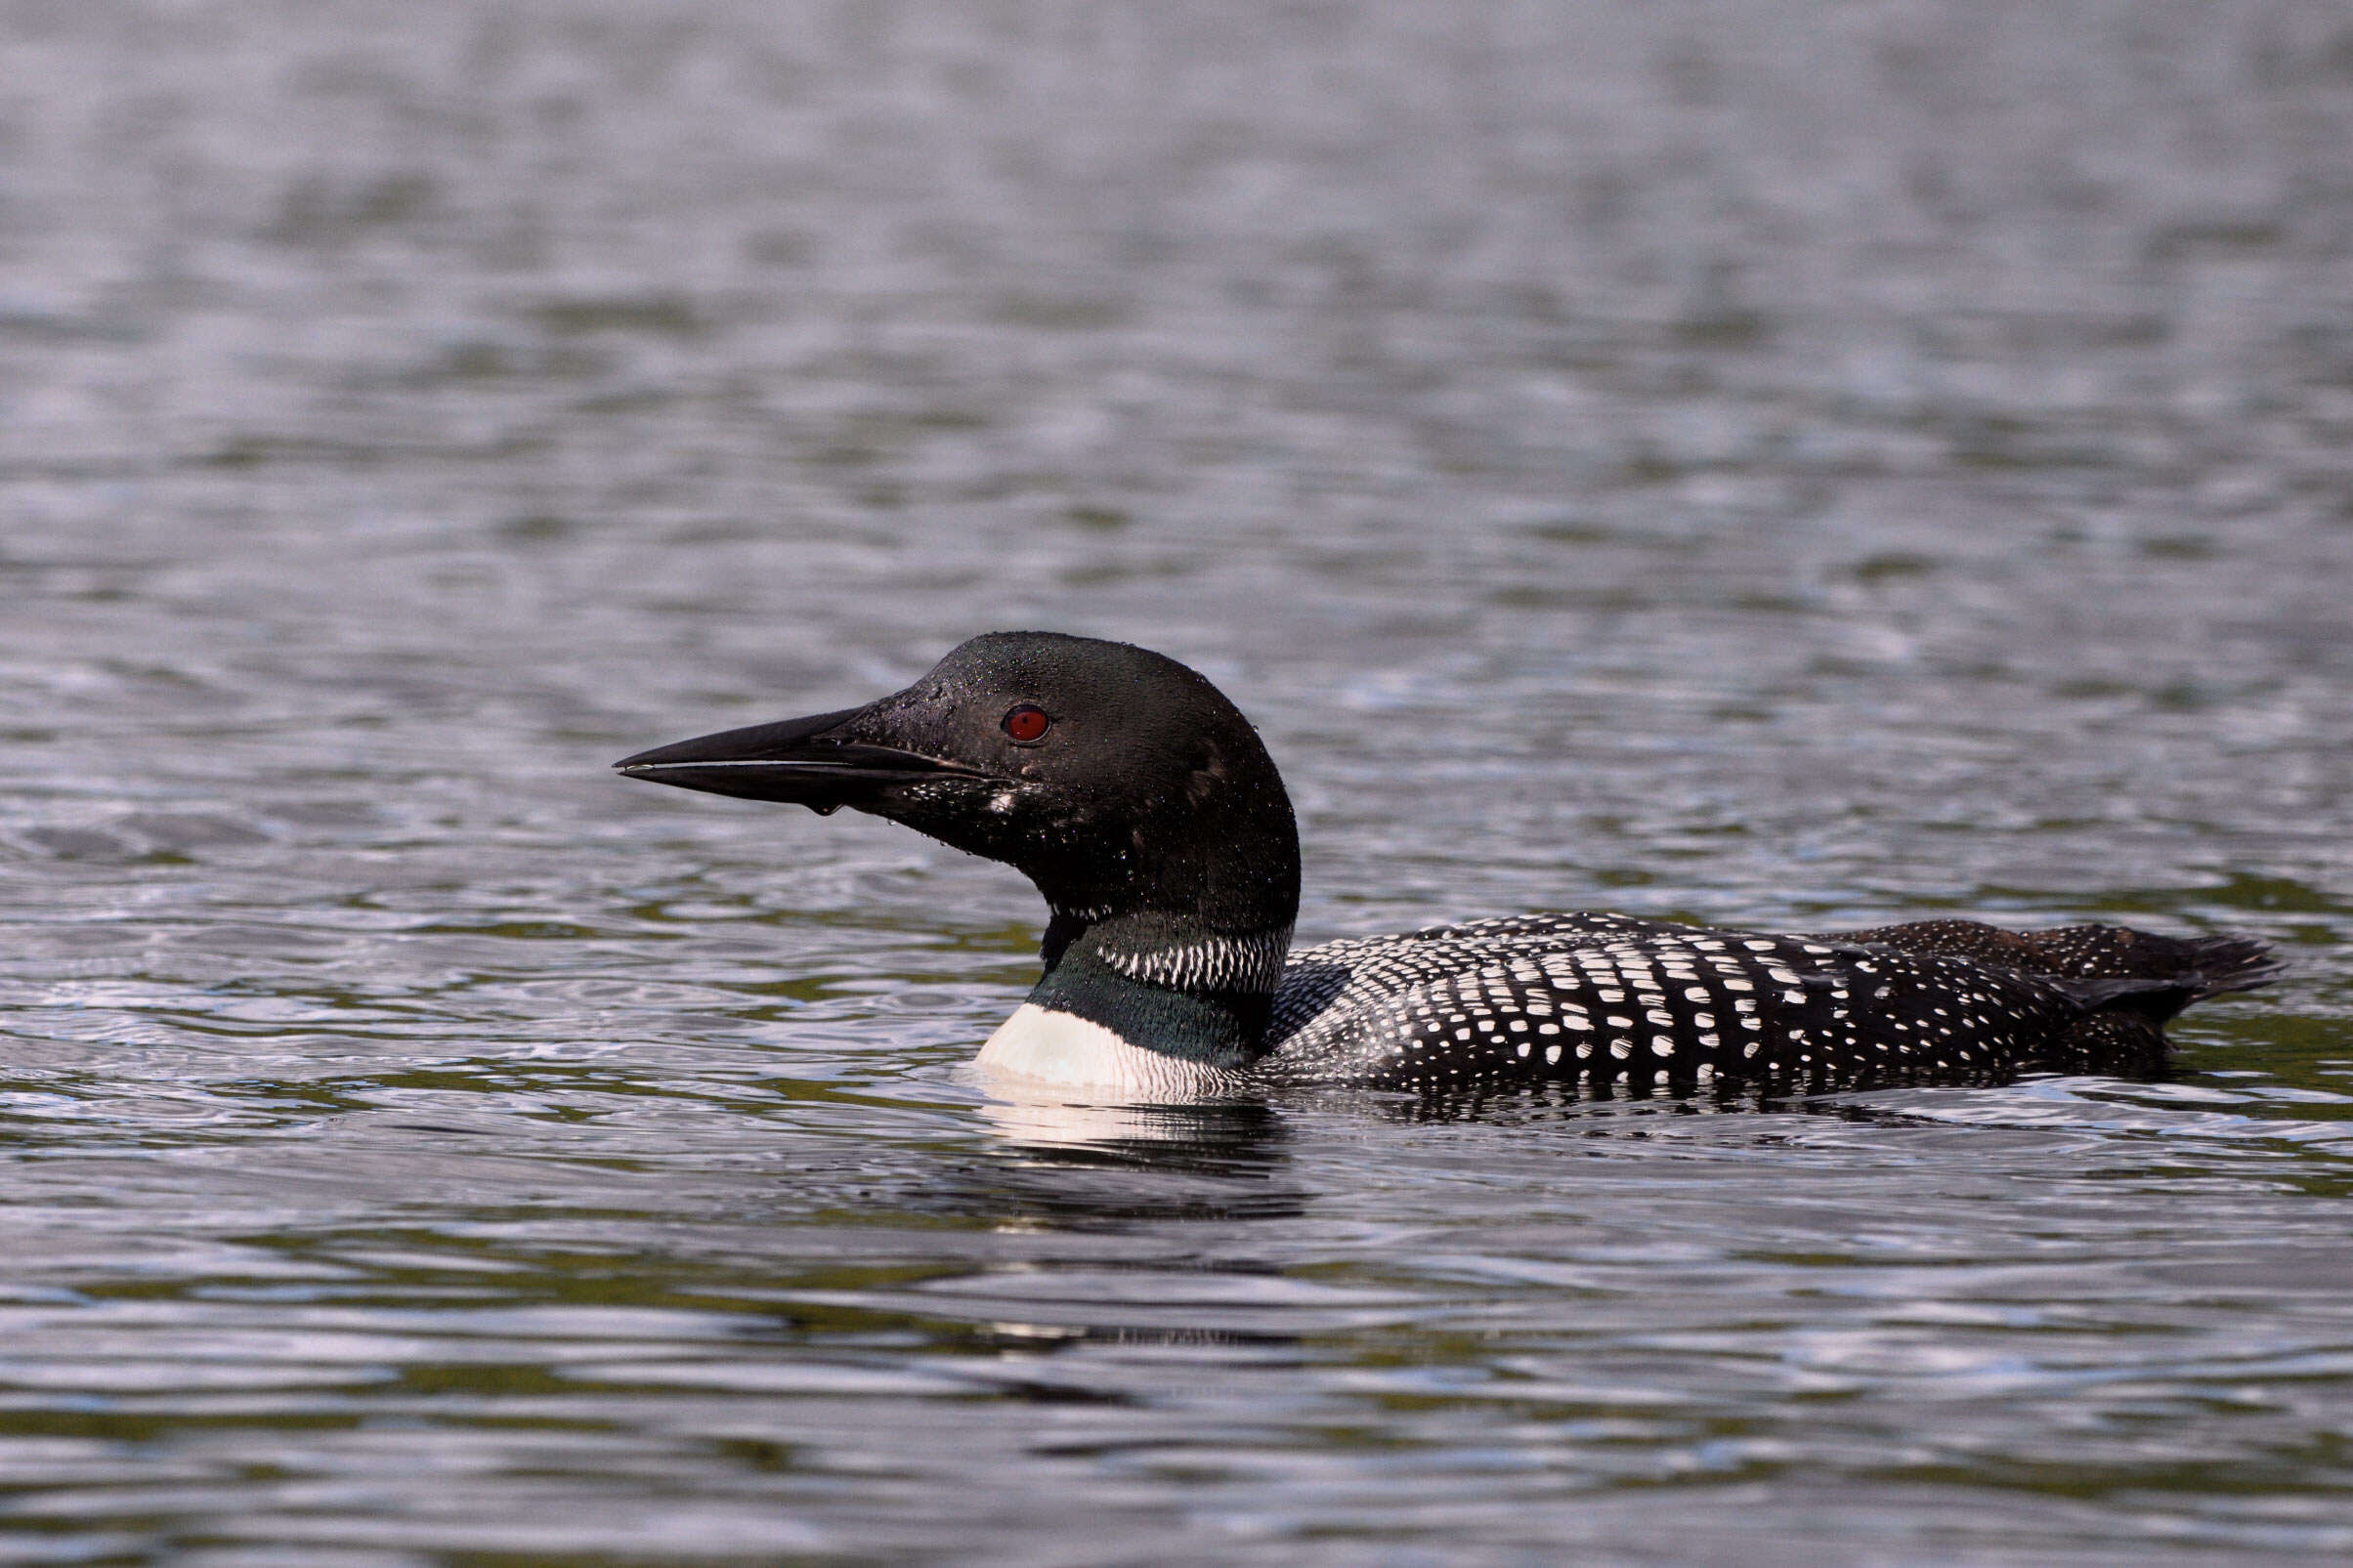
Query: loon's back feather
[1606, 997]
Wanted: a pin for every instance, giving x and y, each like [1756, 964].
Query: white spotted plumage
[1455, 1003]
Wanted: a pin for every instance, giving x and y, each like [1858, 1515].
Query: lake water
[1771, 463]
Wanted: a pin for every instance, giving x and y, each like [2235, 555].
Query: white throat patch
[1064, 1051]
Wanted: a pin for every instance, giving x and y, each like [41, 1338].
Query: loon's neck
[1171, 913]
[1143, 1004]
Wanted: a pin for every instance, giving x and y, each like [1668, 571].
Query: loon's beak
[804, 761]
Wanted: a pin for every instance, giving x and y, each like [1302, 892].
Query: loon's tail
[2122, 1024]
[2158, 976]
[2126, 982]
[2095, 963]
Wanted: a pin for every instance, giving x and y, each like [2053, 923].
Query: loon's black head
[1124, 785]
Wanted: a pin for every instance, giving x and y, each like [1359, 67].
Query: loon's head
[1124, 785]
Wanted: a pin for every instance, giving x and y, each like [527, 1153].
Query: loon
[1147, 810]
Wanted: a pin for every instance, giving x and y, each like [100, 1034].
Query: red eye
[1026, 723]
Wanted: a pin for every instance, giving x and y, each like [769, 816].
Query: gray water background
[1795, 464]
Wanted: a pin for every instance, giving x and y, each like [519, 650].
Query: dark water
[1782, 463]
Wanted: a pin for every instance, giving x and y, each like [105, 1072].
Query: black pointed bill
[807, 762]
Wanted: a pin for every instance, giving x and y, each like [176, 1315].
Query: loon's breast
[1050, 1049]
[1606, 998]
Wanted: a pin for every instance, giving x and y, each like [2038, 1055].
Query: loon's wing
[1608, 998]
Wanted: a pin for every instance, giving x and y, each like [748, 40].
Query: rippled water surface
[1784, 463]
